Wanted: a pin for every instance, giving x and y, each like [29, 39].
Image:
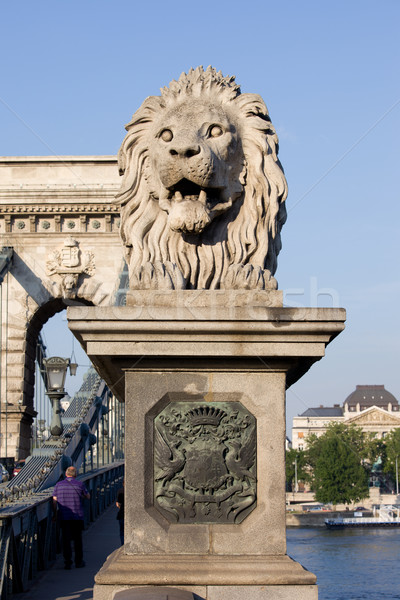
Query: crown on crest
[205, 415]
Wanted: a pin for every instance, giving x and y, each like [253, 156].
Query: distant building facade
[370, 407]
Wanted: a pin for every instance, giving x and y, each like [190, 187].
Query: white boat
[387, 516]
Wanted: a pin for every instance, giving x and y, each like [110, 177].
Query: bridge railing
[30, 535]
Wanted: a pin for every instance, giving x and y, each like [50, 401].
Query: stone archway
[21, 420]
[58, 216]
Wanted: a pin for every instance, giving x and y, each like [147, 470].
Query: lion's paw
[248, 277]
[158, 276]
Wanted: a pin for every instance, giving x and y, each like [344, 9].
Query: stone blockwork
[212, 592]
[45, 202]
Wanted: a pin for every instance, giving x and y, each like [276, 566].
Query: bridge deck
[99, 540]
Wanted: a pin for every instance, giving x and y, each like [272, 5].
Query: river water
[350, 564]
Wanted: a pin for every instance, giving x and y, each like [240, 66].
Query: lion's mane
[239, 248]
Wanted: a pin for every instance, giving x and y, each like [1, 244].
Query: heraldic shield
[205, 462]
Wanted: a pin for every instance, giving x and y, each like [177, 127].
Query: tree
[376, 450]
[338, 461]
[298, 458]
[392, 443]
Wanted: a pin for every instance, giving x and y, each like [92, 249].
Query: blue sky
[72, 74]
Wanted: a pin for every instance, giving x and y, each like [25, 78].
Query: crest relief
[68, 264]
[204, 462]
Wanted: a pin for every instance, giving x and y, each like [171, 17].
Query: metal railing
[30, 535]
[93, 424]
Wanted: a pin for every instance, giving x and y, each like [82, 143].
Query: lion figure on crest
[203, 192]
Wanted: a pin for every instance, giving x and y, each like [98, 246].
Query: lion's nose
[185, 150]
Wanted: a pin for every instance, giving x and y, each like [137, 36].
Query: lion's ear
[137, 129]
[252, 105]
[257, 127]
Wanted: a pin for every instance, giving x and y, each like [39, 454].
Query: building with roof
[370, 407]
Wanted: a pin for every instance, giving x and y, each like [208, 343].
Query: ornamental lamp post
[56, 370]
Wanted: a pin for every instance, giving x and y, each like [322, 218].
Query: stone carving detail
[69, 265]
[375, 416]
[202, 197]
[205, 462]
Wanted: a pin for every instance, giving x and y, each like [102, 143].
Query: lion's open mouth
[213, 199]
[187, 190]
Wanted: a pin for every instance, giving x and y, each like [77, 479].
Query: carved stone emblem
[69, 255]
[205, 462]
[69, 264]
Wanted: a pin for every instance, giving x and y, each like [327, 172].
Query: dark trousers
[121, 531]
[72, 532]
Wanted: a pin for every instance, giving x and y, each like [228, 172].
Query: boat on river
[387, 516]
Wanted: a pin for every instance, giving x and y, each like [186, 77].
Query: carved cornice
[54, 217]
[48, 195]
[78, 208]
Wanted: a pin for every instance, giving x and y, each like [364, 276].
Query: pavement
[99, 540]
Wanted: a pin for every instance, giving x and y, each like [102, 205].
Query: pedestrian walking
[68, 498]
[121, 514]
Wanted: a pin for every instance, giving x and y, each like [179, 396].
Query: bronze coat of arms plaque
[205, 462]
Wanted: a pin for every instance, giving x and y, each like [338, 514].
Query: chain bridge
[59, 245]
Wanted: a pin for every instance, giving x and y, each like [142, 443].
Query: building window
[300, 435]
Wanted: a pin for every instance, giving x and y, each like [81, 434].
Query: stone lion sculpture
[202, 195]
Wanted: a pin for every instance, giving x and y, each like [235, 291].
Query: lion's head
[202, 198]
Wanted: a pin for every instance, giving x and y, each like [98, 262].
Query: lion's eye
[215, 131]
[166, 135]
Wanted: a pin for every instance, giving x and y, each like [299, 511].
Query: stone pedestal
[203, 375]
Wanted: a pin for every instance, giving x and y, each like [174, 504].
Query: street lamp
[56, 370]
[73, 365]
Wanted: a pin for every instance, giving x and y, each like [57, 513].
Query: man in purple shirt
[68, 496]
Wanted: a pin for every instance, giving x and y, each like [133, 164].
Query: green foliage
[337, 459]
[392, 443]
[376, 451]
[294, 457]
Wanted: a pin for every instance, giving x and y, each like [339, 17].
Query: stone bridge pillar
[204, 377]
[58, 216]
